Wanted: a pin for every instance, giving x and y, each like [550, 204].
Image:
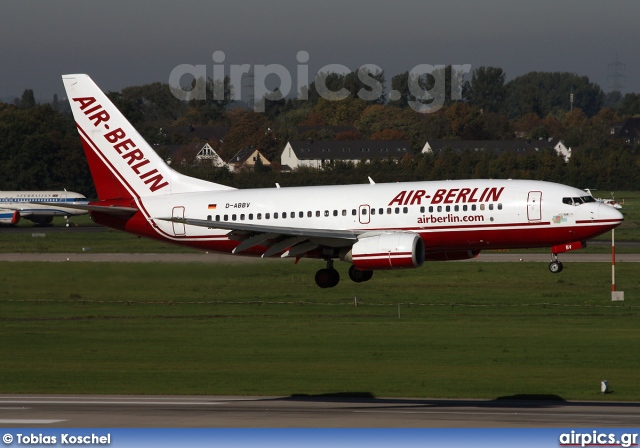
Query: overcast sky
[122, 43]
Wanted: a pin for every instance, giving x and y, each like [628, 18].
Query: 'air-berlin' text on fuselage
[123, 145]
[450, 196]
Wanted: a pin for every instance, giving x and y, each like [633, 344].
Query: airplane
[371, 226]
[610, 202]
[15, 205]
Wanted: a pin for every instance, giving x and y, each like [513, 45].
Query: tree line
[40, 148]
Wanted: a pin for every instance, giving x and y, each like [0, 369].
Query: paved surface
[222, 258]
[325, 412]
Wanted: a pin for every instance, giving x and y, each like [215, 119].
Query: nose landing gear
[555, 266]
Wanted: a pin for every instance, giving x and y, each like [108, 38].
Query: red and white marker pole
[613, 260]
[615, 295]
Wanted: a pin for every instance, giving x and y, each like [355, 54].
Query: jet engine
[10, 218]
[389, 250]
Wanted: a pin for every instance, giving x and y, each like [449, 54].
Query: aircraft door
[363, 214]
[534, 206]
[178, 227]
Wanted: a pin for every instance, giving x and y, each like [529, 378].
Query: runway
[305, 412]
[569, 257]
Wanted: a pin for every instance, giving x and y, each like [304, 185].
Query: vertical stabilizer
[123, 165]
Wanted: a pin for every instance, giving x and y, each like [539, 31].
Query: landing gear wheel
[327, 278]
[555, 267]
[359, 276]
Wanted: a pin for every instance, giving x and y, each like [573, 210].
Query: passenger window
[309, 214]
[275, 216]
[317, 213]
[431, 209]
[335, 213]
[456, 208]
[233, 217]
[217, 217]
[499, 206]
[373, 211]
[326, 213]
[439, 208]
[490, 206]
[388, 210]
[405, 210]
[448, 208]
[344, 213]
[301, 214]
[284, 215]
[464, 208]
[208, 217]
[364, 212]
[422, 209]
[380, 211]
[242, 217]
[259, 216]
[481, 206]
[473, 207]
[397, 210]
[354, 212]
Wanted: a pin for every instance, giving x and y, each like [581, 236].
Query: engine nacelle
[392, 250]
[10, 218]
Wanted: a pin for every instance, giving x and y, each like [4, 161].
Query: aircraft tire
[327, 278]
[359, 276]
[555, 267]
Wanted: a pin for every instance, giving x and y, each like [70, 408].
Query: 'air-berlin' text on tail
[122, 163]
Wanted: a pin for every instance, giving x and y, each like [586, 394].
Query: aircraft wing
[22, 210]
[278, 239]
[108, 209]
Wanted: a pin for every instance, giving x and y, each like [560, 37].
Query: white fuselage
[448, 215]
[17, 204]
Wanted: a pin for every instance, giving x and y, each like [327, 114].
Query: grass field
[474, 330]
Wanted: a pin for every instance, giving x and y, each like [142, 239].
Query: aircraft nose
[609, 213]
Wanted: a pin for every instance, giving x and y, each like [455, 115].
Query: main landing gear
[555, 266]
[359, 276]
[329, 277]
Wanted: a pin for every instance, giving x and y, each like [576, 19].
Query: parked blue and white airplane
[20, 204]
[371, 226]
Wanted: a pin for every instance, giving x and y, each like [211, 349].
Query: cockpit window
[578, 201]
